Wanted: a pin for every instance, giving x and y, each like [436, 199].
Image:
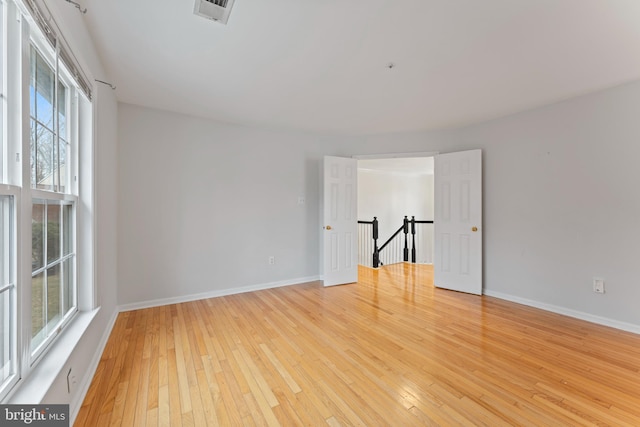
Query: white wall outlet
[598, 285]
[301, 200]
[272, 260]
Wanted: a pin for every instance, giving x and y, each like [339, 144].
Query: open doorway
[390, 189]
[457, 232]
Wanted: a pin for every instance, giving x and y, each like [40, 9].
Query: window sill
[33, 388]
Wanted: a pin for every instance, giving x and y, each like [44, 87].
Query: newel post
[376, 253]
[405, 225]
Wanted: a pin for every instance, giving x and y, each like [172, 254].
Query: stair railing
[368, 235]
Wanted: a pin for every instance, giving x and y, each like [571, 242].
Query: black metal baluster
[376, 253]
[413, 237]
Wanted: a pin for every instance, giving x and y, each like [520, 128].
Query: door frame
[385, 156]
[357, 157]
[396, 155]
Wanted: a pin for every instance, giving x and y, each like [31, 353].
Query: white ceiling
[321, 65]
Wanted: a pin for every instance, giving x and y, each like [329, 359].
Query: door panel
[340, 226]
[458, 221]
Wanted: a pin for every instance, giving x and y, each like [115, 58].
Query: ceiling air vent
[216, 10]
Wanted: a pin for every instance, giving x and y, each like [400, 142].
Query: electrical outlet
[272, 260]
[301, 200]
[598, 285]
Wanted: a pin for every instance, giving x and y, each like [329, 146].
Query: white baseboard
[76, 403]
[629, 327]
[214, 294]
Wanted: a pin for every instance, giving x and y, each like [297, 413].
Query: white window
[53, 268]
[7, 292]
[8, 318]
[45, 117]
[48, 100]
[53, 273]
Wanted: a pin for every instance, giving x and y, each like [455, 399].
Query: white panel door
[340, 227]
[458, 221]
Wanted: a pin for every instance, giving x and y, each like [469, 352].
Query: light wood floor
[389, 350]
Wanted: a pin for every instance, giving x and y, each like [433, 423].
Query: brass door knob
[328, 227]
[474, 229]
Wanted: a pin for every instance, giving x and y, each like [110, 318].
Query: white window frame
[38, 42]
[8, 283]
[18, 32]
[11, 369]
[3, 97]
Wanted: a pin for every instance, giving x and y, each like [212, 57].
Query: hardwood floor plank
[333, 422]
[286, 376]
[173, 386]
[182, 357]
[140, 417]
[253, 415]
[230, 406]
[285, 414]
[114, 366]
[164, 411]
[311, 412]
[257, 388]
[388, 350]
[207, 401]
[117, 413]
[198, 409]
[313, 401]
[152, 418]
[136, 372]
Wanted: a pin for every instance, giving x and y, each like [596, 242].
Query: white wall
[202, 204]
[562, 203]
[390, 196]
